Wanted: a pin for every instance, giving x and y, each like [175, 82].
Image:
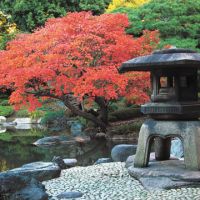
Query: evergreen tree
[177, 20]
[29, 15]
[7, 29]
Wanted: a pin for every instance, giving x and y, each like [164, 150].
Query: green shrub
[6, 111]
[96, 6]
[126, 129]
[4, 102]
[124, 114]
[50, 116]
[22, 113]
[36, 114]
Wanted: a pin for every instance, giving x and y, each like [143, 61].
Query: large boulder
[2, 119]
[2, 129]
[61, 139]
[8, 182]
[17, 187]
[41, 171]
[53, 140]
[122, 151]
[70, 162]
[24, 120]
[33, 191]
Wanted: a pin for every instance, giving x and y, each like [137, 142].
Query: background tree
[96, 6]
[178, 21]
[7, 29]
[7, 32]
[29, 15]
[125, 3]
[76, 55]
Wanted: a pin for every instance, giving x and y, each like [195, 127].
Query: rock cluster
[104, 180]
[23, 183]
[28, 178]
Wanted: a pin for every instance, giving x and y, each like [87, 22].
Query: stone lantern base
[167, 174]
[161, 132]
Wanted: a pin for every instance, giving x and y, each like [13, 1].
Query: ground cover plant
[77, 55]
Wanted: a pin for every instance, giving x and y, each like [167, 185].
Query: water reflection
[2, 129]
[16, 149]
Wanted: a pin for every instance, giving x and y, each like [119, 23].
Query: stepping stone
[68, 195]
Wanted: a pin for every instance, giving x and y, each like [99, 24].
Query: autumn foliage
[79, 55]
[125, 3]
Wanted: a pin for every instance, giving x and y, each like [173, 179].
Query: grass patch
[36, 114]
[6, 111]
[22, 136]
[5, 137]
[22, 113]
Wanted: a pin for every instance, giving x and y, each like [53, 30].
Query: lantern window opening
[167, 82]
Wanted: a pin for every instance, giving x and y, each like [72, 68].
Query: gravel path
[111, 181]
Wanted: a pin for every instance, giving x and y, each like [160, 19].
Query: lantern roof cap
[163, 59]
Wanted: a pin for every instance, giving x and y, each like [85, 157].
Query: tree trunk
[66, 99]
[103, 112]
[96, 120]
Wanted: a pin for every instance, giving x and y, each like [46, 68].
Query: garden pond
[16, 148]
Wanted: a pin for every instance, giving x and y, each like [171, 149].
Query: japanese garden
[99, 99]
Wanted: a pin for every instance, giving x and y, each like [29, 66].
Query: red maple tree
[76, 55]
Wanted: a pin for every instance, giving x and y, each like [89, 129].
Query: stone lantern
[174, 108]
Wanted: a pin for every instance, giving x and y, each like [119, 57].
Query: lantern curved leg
[191, 144]
[144, 146]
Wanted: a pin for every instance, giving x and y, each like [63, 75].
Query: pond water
[16, 149]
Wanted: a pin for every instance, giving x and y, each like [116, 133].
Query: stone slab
[165, 175]
[41, 171]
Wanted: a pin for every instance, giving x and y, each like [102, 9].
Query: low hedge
[127, 129]
[125, 114]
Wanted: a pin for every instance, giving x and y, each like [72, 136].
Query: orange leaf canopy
[77, 54]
